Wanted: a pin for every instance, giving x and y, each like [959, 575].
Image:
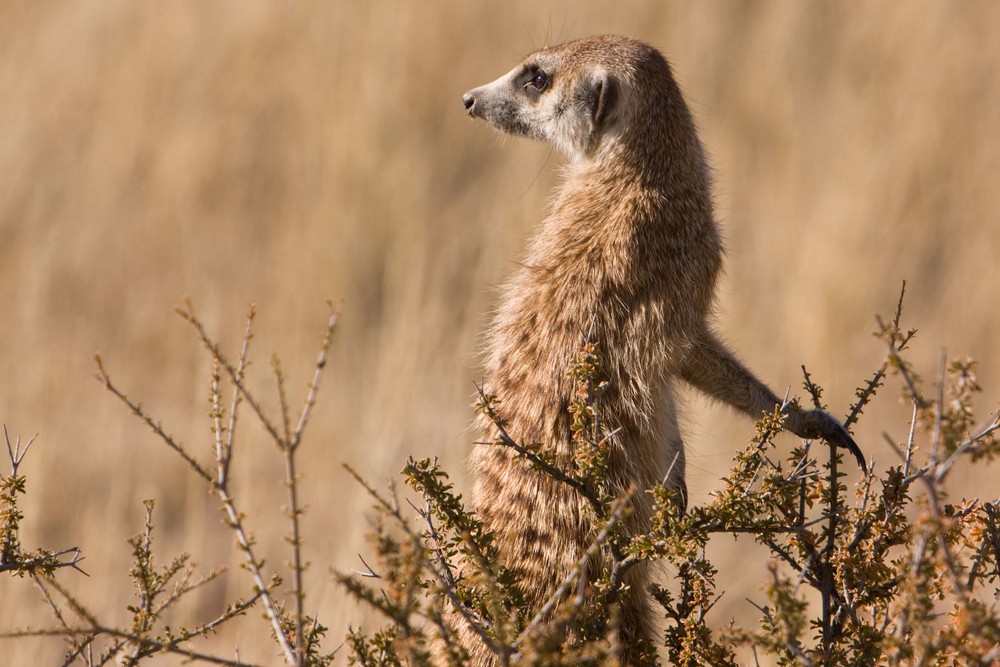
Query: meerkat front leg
[713, 369]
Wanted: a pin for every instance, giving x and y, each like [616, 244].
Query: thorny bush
[903, 575]
[891, 573]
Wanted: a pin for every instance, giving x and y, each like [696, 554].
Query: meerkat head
[553, 97]
[581, 96]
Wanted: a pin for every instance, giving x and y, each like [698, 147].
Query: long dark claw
[831, 430]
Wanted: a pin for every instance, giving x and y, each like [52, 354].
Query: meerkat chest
[552, 309]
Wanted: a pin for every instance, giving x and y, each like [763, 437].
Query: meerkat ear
[602, 92]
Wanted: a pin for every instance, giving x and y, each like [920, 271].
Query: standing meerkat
[631, 251]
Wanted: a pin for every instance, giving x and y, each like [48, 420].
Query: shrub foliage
[893, 572]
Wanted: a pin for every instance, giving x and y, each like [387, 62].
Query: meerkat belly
[531, 354]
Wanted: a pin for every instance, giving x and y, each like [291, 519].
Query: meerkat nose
[469, 101]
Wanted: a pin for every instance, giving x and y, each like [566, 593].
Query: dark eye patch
[534, 79]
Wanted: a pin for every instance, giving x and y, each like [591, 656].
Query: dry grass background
[287, 153]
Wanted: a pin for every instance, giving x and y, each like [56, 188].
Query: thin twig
[235, 401]
[136, 409]
[213, 348]
[827, 575]
[447, 585]
[291, 444]
[235, 522]
[48, 559]
[967, 444]
[15, 452]
[532, 457]
[145, 646]
[78, 645]
[938, 409]
[317, 375]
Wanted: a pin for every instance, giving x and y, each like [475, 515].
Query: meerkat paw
[814, 424]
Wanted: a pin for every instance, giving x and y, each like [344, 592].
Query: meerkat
[631, 251]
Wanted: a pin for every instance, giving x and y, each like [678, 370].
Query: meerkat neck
[622, 185]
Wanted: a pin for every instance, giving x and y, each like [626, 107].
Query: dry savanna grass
[287, 154]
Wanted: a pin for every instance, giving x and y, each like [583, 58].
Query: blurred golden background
[289, 153]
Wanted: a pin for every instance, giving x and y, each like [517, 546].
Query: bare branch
[233, 372]
[137, 410]
[317, 375]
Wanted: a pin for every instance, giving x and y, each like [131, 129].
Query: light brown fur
[631, 251]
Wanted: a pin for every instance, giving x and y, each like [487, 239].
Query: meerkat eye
[540, 81]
